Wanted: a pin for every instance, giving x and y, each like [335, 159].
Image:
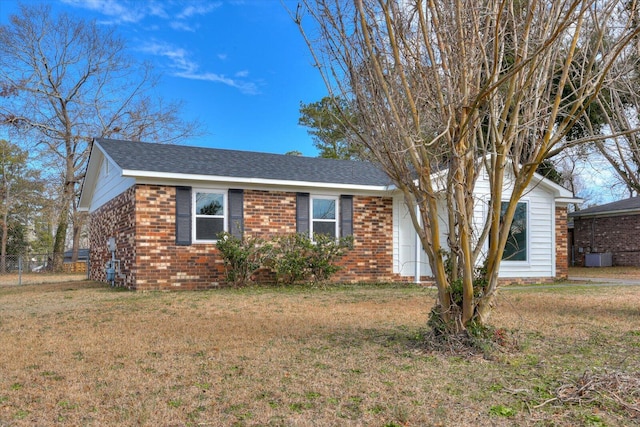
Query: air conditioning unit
[604, 259]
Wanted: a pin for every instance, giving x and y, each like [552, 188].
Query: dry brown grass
[606, 272]
[15, 279]
[84, 354]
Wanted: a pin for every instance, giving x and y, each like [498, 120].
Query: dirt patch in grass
[85, 354]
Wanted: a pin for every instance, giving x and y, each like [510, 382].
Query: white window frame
[527, 260]
[194, 216]
[336, 220]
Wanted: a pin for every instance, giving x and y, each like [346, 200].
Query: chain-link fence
[39, 268]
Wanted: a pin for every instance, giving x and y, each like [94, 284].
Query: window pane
[321, 227]
[209, 204]
[209, 228]
[516, 247]
[324, 209]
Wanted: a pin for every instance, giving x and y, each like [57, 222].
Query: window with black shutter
[236, 213]
[302, 213]
[346, 216]
[324, 215]
[183, 216]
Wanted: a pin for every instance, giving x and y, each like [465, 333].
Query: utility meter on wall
[111, 244]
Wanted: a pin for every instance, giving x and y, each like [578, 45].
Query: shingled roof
[188, 160]
[630, 205]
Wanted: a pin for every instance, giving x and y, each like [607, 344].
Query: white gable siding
[540, 238]
[404, 243]
[111, 183]
[540, 233]
[540, 229]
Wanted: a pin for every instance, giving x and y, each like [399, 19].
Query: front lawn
[87, 354]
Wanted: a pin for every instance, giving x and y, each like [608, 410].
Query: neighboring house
[153, 200]
[608, 234]
[83, 255]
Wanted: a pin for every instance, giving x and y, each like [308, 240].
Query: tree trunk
[59, 242]
[3, 248]
[78, 224]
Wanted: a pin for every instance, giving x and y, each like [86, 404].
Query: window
[323, 214]
[324, 218]
[209, 214]
[516, 247]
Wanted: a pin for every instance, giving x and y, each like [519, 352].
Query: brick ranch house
[149, 199]
[613, 228]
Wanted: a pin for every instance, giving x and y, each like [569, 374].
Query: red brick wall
[115, 219]
[562, 254]
[371, 258]
[619, 235]
[268, 213]
[143, 221]
[160, 263]
[151, 260]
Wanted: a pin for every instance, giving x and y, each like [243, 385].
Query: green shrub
[242, 256]
[296, 258]
[325, 251]
[290, 258]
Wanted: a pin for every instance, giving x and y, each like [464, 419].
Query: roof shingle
[180, 159]
[626, 205]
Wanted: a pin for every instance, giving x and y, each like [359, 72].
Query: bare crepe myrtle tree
[445, 90]
[620, 119]
[65, 81]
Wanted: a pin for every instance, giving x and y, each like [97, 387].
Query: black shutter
[183, 216]
[236, 213]
[346, 216]
[302, 213]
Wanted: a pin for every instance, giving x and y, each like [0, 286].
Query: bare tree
[20, 188]
[447, 89]
[622, 150]
[64, 81]
[614, 116]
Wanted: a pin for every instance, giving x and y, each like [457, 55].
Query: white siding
[111, 184]
[407, 241]
[405, 261]
[540, 233]
[540, 238]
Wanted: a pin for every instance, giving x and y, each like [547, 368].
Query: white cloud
[248, 88]
[177, 56]
[198, 9]
[121, 11]
[158, 9]
[186, 68]
[182, 26]
[134, 11]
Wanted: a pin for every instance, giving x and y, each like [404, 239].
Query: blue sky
[240, 66]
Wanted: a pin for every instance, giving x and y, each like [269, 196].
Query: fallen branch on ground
[619, 387]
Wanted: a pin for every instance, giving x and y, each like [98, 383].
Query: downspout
[554, 241]
[417, 251]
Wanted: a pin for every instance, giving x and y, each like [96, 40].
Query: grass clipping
[591, 388]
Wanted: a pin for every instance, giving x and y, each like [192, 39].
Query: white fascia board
[606, 214]
[254, 181]
[567, 200]
[559, 190]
